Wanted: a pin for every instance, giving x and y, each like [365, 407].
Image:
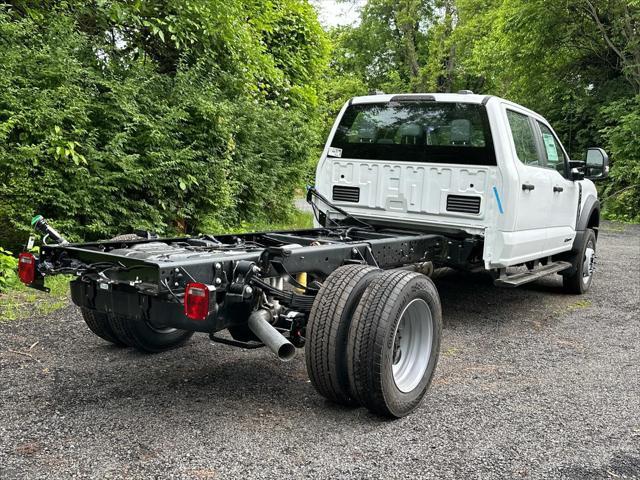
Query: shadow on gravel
[217, 379]
[468, 298]
[250, 387]
[231, 381]
[621, 465]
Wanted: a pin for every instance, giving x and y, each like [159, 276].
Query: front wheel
[394, 342]
[580, 280]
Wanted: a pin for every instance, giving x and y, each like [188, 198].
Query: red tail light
[26, 267]
[196, 301]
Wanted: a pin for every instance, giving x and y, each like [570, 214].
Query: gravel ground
[531, 383]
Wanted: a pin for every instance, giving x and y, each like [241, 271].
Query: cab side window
[552, 150]
[524, 138]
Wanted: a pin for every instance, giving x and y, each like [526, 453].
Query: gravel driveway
[531, 383]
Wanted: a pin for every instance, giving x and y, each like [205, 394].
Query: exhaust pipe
[272, 338]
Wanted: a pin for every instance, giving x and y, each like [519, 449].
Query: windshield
[415, 131]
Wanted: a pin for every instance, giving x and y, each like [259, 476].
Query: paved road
[531, 384]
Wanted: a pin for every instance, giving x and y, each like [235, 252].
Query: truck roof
[442, 97]
[439, 97]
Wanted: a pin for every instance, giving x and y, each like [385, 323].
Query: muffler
[272, 338]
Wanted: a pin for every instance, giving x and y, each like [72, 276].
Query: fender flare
[591, 204]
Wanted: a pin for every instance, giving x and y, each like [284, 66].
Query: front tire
[580, 280]
[394, 342]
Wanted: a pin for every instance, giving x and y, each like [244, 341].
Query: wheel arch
[594, 220]
[589, 216]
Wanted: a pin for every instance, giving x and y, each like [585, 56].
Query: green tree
[175, 115]
[576, 62]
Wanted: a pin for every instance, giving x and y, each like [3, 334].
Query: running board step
[517, 279]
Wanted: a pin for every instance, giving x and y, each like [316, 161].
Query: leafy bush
[8, 267]
[622, 194]
[174, 116]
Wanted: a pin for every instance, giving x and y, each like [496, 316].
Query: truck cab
[461, 162]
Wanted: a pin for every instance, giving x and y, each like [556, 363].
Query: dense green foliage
[576, 62]
[201, 115]
[171, 115]
[8, 269]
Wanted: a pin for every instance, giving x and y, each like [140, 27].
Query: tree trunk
[620, 37]
[407, 21]
[446, 79]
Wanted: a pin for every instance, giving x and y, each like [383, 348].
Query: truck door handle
[557, 189]
[527, 186]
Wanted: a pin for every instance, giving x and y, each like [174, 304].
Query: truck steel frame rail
[147, 278]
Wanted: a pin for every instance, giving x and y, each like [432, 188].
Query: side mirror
[576, 174]
[576, 164]
[597, 164]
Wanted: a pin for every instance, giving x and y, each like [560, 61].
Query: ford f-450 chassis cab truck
[405, 184]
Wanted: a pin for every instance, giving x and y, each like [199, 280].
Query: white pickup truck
[405, 183]
[468, 163]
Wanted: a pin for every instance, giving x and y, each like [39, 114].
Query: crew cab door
[563, 205]
[534, 194]
[547, 201]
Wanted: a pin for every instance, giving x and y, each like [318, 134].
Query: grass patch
[610, 227]
[298, 220]
[21, 301]
[580, 304]
[451, 352]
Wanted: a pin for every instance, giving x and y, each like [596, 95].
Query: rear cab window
[524, 139]
[535, 143]
[416, 131]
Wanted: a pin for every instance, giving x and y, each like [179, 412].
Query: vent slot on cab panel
[346, 194]
[463, 204]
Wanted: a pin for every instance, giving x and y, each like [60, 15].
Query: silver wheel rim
[412, 345]
[589, 263]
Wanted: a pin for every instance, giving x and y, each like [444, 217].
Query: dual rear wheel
[373, 338]
[130, 332]
[133, 332]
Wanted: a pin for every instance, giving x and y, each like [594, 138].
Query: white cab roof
[445, 97]
[439, 97]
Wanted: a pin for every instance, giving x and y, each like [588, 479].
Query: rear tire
[138, 333]
[328, 329]
[389, 372]
[98, 323]
[579, 282]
